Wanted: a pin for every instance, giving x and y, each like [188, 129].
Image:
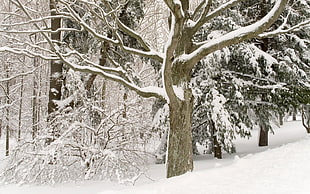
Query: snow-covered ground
[282, 167]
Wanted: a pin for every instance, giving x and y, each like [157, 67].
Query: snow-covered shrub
[83, 141]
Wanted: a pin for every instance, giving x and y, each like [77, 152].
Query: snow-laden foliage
[249, 84]
[220, 103]
[83, 141]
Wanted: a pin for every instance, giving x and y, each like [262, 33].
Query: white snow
[283, 167]
[179, 92]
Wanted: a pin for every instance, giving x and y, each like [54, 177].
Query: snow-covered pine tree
[251, 81]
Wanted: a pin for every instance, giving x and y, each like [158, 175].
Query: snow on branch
[80, 21]
[236, 36]
[39, 31]
[70, 57]
[42, 19]
[206, 17]
[27, 53]
[144, 92]
[205, 7]
[280, 30]
[117, 42]
[18, 75]
[6, 105]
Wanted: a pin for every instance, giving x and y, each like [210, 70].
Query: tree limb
[281, 31]
[236, 36]
[175, 7]
[206, 17]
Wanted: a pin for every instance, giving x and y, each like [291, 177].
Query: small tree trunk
[294, 114]
[34, 106]
[20, 109]
[306, 117]
[7, 137]
[263, 136]
[217, 149]
[7, 140]
[281, 118]
[180, 151]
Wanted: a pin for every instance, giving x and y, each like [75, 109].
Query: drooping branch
[146, 92]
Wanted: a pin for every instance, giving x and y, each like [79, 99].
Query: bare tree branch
[205, 6]
[18, 75]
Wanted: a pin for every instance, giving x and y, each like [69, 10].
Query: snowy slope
[280, 170]
[283, 167]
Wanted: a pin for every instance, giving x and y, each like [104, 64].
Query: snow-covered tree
[253, 82]
[179, 57]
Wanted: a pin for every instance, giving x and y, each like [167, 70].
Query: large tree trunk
[180, 151]
[56, 79]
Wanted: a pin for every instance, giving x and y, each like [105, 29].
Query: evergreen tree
[251, 83]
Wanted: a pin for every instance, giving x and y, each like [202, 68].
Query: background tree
[56, 77]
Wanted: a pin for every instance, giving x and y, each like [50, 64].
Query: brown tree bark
[180, 151]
